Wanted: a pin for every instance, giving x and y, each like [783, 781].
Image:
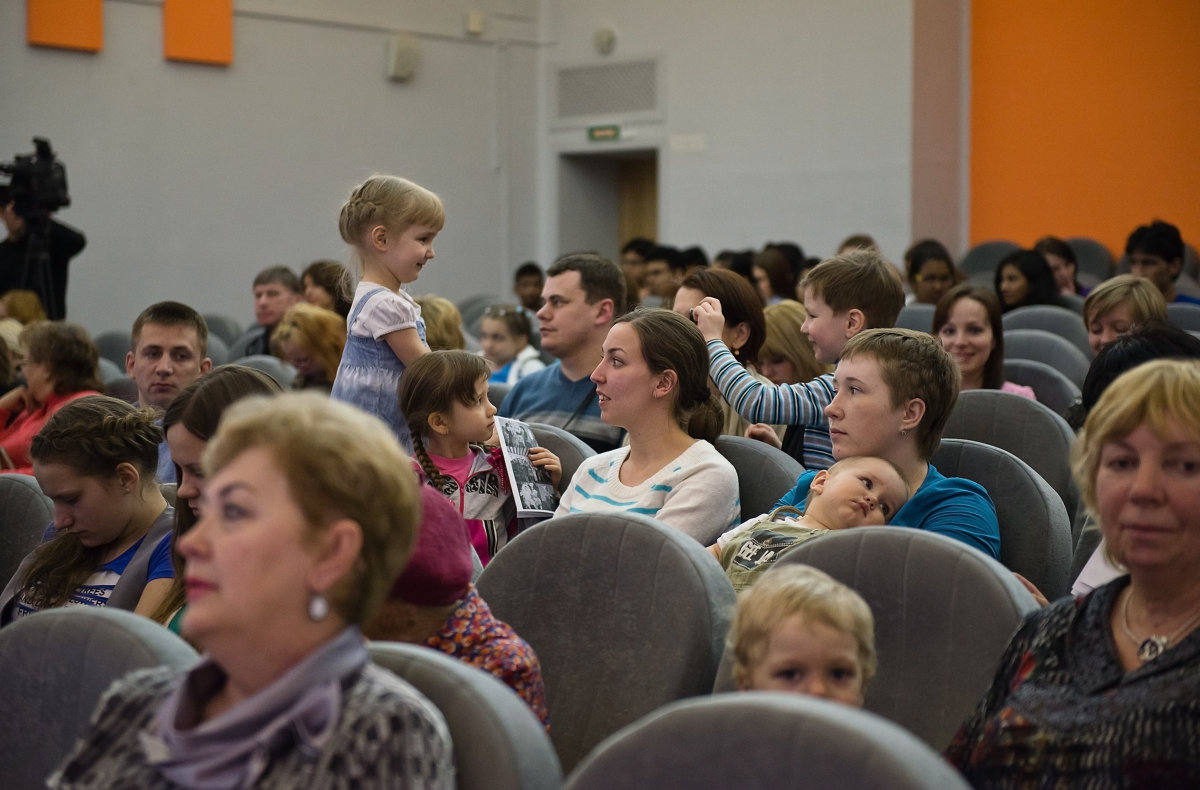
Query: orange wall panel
[200, 31]
[1084, 118]
[69, 24]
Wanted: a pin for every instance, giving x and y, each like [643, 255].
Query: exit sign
[603, 133]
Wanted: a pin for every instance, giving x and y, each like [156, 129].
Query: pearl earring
[318, 607]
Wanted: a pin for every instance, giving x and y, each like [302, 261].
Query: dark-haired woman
[96, 459]
[653, 382]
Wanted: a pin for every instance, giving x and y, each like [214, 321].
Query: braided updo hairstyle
[391, 201]
[671, 342]
[93, 435]
[433, 383]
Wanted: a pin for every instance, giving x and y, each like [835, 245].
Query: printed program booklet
[534, 495]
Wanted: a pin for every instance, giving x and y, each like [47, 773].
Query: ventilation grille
[611, 89]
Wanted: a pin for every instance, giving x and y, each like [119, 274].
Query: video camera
[38, 182]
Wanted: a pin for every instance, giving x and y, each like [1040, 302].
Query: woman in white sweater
[653, 382]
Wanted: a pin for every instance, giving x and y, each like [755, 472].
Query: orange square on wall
[199, 31]
[69, 24]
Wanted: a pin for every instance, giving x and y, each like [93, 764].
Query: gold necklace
[1153, 645]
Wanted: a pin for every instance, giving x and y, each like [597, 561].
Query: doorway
[605, 199]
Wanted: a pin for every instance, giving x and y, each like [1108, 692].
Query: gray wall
[781, 119]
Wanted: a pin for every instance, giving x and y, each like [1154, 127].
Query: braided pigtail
[427, 465]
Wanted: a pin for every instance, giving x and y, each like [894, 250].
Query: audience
[1155, 251]
[634, 255]
[444, 397]
[433, 603]
[653, 382]
[504, 332]
[800, 631]
[583, 294]
[169, 350]
[59, 364]
[1024, 278]
[854, 492]
[443, 323]
[857, 241]
[930, 271]
[774, 277]
[895, 389]
[23, 306]
[842, 296]
[1101, 690]
[287, 559]
[328, 284]
[968, 322]
[311, 339]
[743, 333]
[189, 422]
[275, 290]
[664, 272]
[111, 546]
[1118, 305]
[1062, 262]
[786, 357]
[528, 281]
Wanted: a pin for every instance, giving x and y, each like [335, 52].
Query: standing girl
[504, 333]
[391, 223]
[444, 398]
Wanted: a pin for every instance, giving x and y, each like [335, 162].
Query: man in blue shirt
[583, 294]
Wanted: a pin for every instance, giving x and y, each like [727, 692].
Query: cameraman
[64, 244]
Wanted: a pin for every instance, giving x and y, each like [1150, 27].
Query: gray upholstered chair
[625, 613]
[570, 449]
[1030, 430]
[765, 473]
[113, 345]
[917, 316]
[497, 392]
[1061, 321]
[239, 347]
[25, 512]
[472, 308]
[1184, 315]
[223, 326]
[1051, 387]
[123, 387]
[1091, 257]
[499, 743]
[110, 370]
[1044, 346]
[1035, 530]
[283, 373]
[944, 612]
[986, 256]
[55, 665]
[761, 741]
[218, 350]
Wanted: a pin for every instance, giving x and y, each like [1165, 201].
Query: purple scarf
[232, 750]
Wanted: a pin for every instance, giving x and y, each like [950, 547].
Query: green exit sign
[603, 133]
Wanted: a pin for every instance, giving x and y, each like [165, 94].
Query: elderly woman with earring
[285, 562]
[1103, 690]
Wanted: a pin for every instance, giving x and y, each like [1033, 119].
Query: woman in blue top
[96, 459]
[895, 389]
